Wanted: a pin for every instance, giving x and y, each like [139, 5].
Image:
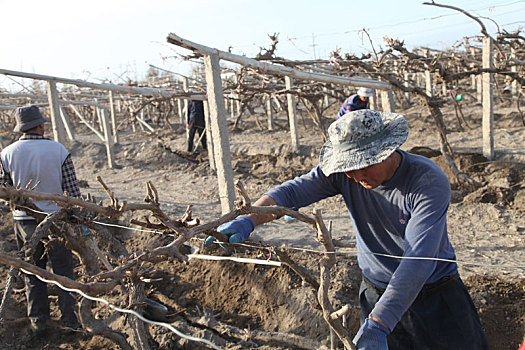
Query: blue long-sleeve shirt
[353, 103]
[404, 216]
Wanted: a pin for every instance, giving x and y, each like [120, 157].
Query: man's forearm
[402, 290]
[379, 321]
[264, 201]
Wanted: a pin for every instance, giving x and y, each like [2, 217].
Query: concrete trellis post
[226, 104]
[232, 108]
[373, 101]
[488, 116]
[65, 121]
[406, 84]
[219, 132]
[182, 117]
[185, 89]
[473, 79]
[269, 112]
[146, 116]
[130, 110]
[113, 117]
[209, 138]
[277, 103]
[98, 116]
[140, 118]
[387, 100]
[56, 120]
[142, 121]
[395, 69]
[185, 102]
[108, 137]
[238, 100]
[428, 83]
[479, 88]
[514, 69]
[428, 77]
[92, 128]
[292, 116]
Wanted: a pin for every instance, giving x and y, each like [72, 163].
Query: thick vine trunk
[446, 150]
[137, 301]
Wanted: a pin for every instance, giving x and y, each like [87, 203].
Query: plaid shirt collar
[30, 136]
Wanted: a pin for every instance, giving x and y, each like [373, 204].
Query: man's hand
[371, 336]
[237, 230]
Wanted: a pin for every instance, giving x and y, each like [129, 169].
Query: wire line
[126, 311]
[354, 252]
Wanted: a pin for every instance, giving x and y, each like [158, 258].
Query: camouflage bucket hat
[362, 138]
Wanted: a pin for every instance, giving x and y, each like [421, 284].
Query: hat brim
[369, 94]
[29, 125]
[337, 161]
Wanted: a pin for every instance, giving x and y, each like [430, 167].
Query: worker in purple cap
[361, 100]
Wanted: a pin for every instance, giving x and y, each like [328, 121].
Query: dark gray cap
[28, 117]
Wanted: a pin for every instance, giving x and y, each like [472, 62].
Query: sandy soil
[487, 228]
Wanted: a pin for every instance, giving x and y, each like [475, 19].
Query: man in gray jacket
[48, 165]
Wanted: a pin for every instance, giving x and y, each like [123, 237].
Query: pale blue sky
[105, 40]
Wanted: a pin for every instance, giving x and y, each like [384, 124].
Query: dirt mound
[272, 169]
[499, 302]
[500, 182]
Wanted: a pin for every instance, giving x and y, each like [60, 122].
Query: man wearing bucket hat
[357, 101]
[398, 204]
[48, 165]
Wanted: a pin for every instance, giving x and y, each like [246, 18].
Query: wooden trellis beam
[277, 69]
[43, 97]
[82, 83]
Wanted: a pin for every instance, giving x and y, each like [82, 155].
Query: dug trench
[255, 297]
[274, 299]
[270, 299]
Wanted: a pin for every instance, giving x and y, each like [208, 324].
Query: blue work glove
[237, 230]
[371, 336]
